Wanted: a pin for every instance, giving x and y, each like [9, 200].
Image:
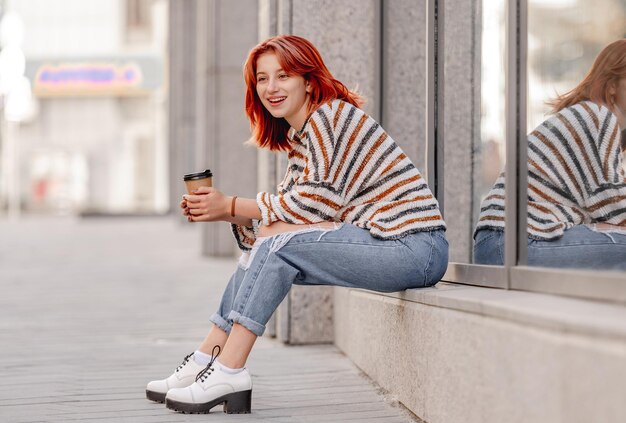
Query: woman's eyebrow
[277, 70]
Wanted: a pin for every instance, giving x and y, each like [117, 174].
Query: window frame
[606, 286]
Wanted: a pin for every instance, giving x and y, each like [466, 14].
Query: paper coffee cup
[197, 180]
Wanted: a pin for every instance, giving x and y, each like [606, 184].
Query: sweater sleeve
[245, 235]
[313, 197]
[607, 202]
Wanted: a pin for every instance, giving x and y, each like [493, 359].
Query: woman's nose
[271, 86]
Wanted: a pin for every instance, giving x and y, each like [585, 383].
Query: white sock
[228, 369]
[201, 358]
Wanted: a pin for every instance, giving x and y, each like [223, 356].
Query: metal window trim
[477, 275]
[607, 286]
[435, 121]
[429, 170]
[515, 220]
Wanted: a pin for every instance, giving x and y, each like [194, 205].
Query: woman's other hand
[183, 205]
[206, 204]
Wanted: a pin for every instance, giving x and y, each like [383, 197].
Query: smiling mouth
[276, 100]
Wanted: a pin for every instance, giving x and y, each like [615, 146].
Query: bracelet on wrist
[232, 206]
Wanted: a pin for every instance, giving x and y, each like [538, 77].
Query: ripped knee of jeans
[280, 240]
[607, 230]
[246, 257]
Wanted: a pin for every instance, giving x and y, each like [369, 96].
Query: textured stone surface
[404, 76]
[455, 366]
[311, 312]
[233, 32]
[347, 36]
[85, 324]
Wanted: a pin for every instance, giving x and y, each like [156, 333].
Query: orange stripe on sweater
[489, 217]
[320, 199]
[291, 212]
[366, 160]
[397, 160]
[552, 200]
[347, 212]
[609, 149]
[294, 153]
[406, 223]
[592, 114]
[549, 230]
[395, 187]
[337, 114]
[268, 207]
[606, 202]
[495, 197]
[347, 149]
[538, 169]
[320, 142]
[399, 203]
[542, 208]
[581, 146]
[559, 157]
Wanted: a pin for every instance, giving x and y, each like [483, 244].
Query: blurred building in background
[96, 142]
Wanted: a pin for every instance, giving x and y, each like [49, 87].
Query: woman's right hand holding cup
[206, 204]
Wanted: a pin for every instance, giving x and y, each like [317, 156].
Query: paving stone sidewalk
[91, 309]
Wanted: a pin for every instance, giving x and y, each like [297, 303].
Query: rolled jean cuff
[221, 323]
[254, 327]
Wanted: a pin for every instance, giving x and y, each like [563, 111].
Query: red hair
[298, 56]
[607, 69]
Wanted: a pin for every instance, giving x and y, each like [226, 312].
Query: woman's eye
[261, 79]
[283, 76]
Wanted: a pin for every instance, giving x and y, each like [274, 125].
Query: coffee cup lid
[200, 175]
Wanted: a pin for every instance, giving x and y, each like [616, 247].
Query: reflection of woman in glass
[576, 183]
[352, 211]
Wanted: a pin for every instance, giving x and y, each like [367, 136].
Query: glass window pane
[577, 190]
[488, 149]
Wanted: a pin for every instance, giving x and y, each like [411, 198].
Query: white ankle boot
[184, 375]
[212, 387]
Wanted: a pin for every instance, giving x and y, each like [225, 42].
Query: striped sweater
[575, 174]
[344, 167]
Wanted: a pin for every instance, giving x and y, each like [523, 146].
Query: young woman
[576, 184]
[351, 211]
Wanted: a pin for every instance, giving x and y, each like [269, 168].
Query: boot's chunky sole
[155, 396]
[235, 403]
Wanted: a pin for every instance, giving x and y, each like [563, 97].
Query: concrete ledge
[456, 353]
[528, 308]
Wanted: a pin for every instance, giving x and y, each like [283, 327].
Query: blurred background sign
[123, 76]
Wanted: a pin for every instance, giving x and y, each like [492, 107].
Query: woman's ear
[307, 86]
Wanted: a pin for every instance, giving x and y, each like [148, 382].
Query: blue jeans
[348, 256]
[580, 247]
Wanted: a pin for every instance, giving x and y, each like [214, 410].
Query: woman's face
[619, 101]
[283, 95]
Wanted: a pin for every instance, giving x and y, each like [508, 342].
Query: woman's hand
[206, 204]
[183, 205]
